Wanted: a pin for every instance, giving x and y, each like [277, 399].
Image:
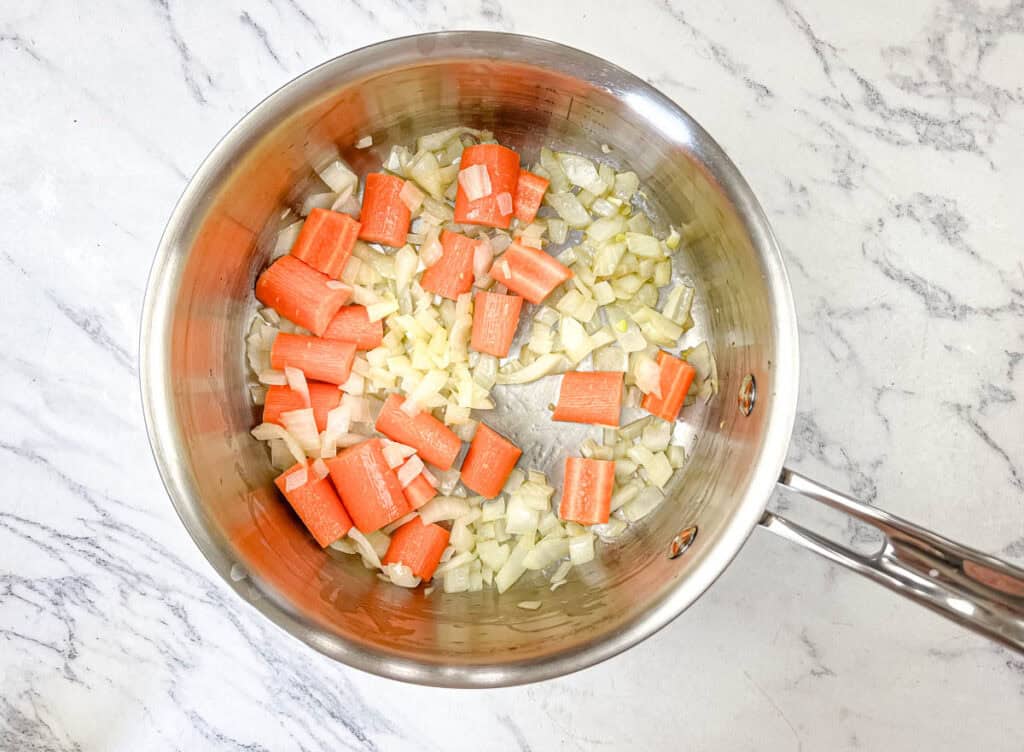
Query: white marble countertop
[886, 142]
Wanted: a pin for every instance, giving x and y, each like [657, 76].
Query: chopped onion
[297, 383]
[408, 472]
[455, 562]
[411, 196]
[581, 549]
[647, 374]
[401, 575]
[296, 480]
[392, 527]
[302, 425]
[339, 178]
[609, 530]
[569, 208]
[317, 201]
[286, 239]
[483, 257]
[475, 181]
[504, 200]
[271, 377]
[542, 366]
[364, 547]
[626, 493]
[546, 552]
[443, 508]
[643, 504]
[626, 184]
[581, 172]
[513, 567]
[365, 142]
[520, 517]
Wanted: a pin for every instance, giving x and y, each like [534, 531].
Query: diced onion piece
[626, 493]
[296, 479]
[504, 200]
[513, 567]
[270, 377]
[378, 311]
[359, 408]
[364, 547]
[443, 508]
[609, 530]
[475, 181]
[408, 472]
[401, 575]
[546, 552]
[626, 184]
[659, 470]
[581, 549]
[569, 208]
[643, 504]
[320, 470]
[492, 554]
[411, 196]
[302, 425]
[676, 456]
[339, 177]
[317, 201]
[542, 366]
[456, 580]
[286, 238]
[647, 374]
[365, 142]
[455, 562]
[520, 517]
[582, 172]
[406, 262]
[297, 383]
[483, 257]
[645, 246]
[345, 545]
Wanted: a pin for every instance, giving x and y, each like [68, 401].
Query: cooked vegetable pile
[389, 315]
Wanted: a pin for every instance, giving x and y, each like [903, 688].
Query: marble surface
[886, 142]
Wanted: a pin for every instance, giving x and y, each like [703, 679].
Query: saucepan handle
[973, 589]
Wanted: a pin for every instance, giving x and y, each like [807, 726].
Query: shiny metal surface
[971, 588]
[530, 92]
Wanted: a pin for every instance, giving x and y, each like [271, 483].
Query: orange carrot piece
[369, 489]
[432, 439]
[489, 462]
[317, 505]
[452, 274]
[587, 490]
[384, 216]
[352, 324]
[590, 397]
[326, 241]
[503, 171]
[419, 546]
[529, 272]
[300, 293]
[529, 194]
[280, 399]
[327, 360]
[676, 378]
[495, 318]
[419, 492]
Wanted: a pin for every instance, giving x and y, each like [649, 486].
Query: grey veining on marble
[886, 142]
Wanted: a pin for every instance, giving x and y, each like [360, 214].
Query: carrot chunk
[326, 241]
[280, 399]
[419, 546]
[301, 294]
[590, 397]
[452, 274]
[384, 216]
[494, 209]
[352, 324]
[419, 492]
[529, 194]
[495, 318]
[529, 272]
[317, 505]
[369, 489]
[489, 462]
[432, 439]
[327, 360]
[587, 490]
[676, 378]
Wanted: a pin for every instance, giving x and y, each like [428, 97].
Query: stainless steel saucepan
[530, 93]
